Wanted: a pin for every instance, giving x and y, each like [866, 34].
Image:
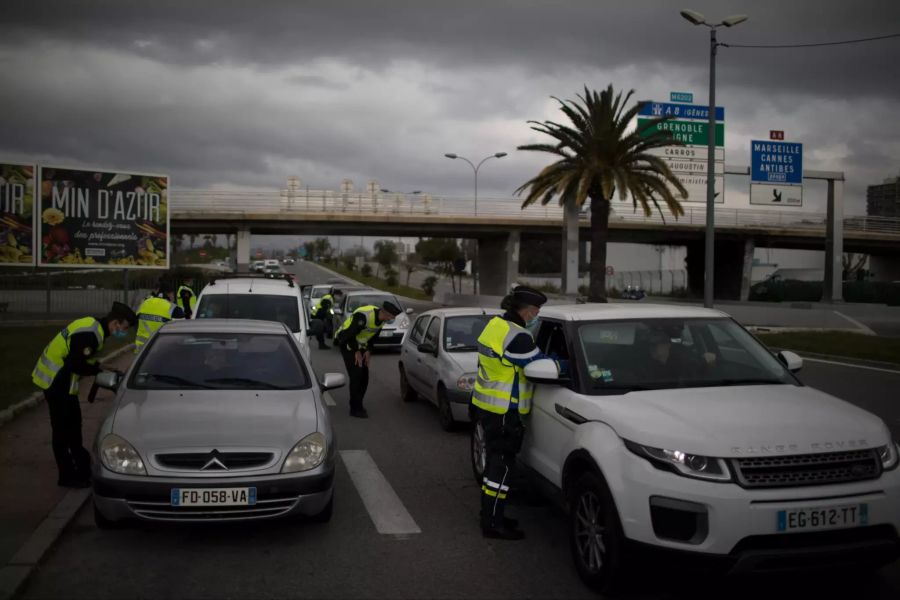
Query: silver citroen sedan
[217, 420]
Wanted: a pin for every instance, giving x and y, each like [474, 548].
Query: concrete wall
[498, 263]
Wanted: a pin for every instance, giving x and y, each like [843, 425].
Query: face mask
[120, 334]
[531, 324]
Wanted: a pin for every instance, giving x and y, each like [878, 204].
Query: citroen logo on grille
[214, 462]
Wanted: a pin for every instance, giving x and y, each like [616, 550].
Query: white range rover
[678, 432]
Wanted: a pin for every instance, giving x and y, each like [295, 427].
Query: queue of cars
[672, 431]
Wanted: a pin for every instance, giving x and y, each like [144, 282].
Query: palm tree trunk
[599, 237]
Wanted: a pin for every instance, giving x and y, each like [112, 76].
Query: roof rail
[283, 276]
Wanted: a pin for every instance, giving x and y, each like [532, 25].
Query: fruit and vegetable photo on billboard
[16, 215]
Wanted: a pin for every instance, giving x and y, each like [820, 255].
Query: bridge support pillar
[570, 249]
[498, 263]
[243, 250]
[833, 290]
[747, 269]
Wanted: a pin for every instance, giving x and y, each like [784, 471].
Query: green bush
[366, 270]
[390, 276]
[789, 290]
[428, 285]
[548, 288]
[349, 263]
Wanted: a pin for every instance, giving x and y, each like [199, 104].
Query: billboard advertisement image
[102, 219]
[16, 215]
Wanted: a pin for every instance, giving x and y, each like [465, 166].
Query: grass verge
[19, 351]
[837, 343]
[378, 283]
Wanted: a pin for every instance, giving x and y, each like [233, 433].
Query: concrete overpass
[499, 224]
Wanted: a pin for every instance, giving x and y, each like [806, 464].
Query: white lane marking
[866, 330]
[329, 401]
[843, 364]
[381, 501]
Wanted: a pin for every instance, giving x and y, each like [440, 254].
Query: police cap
[391, 308]
[526, 295]
[122, 312]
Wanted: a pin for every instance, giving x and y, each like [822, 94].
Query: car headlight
[466, 382]
[689, 465]
[119, 456]
[888, 455]
[307, 454]
[403, 322]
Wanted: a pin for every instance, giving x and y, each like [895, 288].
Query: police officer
[353, 340]
[502, 396]
[323, 313]
[186, 299]
[155, 312]
[69, 356]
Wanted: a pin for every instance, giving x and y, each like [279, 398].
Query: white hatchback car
[439, 358]
[677, 432]
[257, 297]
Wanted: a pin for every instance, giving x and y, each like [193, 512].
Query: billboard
[16, 215]
[102, 219]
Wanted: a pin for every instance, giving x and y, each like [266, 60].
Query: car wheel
[478, 452]
[444, 413]
[596, 534]
[406, 392]
[325, 515]
[104, 523]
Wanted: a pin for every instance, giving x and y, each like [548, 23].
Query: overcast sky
[228, 93]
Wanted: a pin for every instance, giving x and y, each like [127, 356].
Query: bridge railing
[425, 205]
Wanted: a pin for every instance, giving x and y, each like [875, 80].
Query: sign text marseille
[776, 162]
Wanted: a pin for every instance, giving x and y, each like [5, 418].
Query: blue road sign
[776, 162]
[681, 97]
[680, 111]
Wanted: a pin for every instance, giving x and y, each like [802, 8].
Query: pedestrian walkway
[29, 493]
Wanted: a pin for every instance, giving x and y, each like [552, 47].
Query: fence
[658, 282]
[79, 292]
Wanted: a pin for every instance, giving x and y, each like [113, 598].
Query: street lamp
[453, 156]
[696, 18]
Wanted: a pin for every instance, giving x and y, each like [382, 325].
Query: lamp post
[475, 168]
[696, 18]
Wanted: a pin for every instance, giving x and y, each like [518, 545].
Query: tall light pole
[475, 168]
[696, 18]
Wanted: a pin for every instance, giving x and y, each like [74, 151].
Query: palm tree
[597, 156]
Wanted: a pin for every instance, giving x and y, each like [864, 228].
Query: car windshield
[220, 361]
[259, 307]
[318, 292]
[461, 333]
[652, 354]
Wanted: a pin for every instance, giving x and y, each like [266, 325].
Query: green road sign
[692, 133]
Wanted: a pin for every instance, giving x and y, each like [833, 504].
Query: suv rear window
[259, 307]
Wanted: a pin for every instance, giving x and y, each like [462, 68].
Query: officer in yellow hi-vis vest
[186, 300]
[69, 356]
[353, 339]
[155, 312]
[502, 396]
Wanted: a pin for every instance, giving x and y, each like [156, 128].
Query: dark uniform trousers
[72, 460]
[359, 378]
[503, 439]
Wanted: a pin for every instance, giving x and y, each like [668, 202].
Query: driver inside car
[673, 359]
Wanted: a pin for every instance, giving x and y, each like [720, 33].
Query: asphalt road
[429, 472]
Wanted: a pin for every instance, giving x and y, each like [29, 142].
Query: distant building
[884, 200]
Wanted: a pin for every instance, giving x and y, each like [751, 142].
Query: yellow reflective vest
[54, 355]
[319, 302]
[192, 303]
[153, 314]
[371, 330]
[497, 377]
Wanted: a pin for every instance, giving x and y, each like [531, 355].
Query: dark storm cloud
[250, 92]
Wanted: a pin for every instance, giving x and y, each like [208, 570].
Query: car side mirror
[543, 370]
[427, 348]
[332, 381]
[790, 360]
[409, 311]
[108, 380]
